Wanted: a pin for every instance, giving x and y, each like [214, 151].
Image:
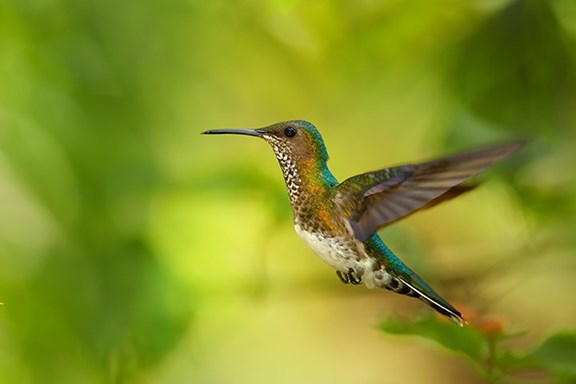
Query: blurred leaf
[459, 339]
[558, 354]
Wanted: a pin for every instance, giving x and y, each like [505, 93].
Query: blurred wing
[374, 199]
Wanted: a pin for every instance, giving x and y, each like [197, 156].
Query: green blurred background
[132, 249]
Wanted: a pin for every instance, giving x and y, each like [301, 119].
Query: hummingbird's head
[294, 140]
[300, 151]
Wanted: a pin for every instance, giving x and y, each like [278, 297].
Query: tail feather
[438, 304]
[404, 281]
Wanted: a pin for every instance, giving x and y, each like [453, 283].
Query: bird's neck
[306, 180]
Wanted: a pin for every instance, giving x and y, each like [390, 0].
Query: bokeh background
[133, 249]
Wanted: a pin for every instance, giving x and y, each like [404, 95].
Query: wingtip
[507, 148]
[518, 144]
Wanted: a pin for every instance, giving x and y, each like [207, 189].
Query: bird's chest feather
[337, 252]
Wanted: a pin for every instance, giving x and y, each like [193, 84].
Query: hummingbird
[339, 221]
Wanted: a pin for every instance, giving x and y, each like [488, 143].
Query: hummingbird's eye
[289, 131]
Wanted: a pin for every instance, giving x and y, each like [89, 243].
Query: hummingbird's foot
[353, 277]
[343, 277]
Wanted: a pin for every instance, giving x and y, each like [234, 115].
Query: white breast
[334, 252]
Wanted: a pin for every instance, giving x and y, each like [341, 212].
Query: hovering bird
[339, 221]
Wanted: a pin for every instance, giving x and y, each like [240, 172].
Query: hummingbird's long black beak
[249, 132]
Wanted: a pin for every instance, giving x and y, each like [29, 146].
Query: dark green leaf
[558, 354]
[459, 339]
